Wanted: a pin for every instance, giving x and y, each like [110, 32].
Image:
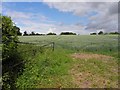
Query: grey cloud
[106, 17]
[113, 8]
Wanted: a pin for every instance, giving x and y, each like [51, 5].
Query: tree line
[102, 33]
[25, 33]
[67, 33]
[50, 33]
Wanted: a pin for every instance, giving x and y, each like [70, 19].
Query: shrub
[10, 55]
[93, 33]
[51, 33]
[67, 33]
[100, 33]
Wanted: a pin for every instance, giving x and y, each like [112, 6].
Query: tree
[112, 33]
[100, 33]
[37, 34]
[17, 30]
[51, 33]
[93, 33]
[9, 37]
[0, 29]
[67, 33]
[32, 33]
[10, 55]
[25, 33]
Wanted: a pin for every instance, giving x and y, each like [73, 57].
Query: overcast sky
[78, 17]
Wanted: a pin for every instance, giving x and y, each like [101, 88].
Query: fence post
[53, 45]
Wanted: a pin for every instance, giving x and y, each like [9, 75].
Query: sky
[78, 17]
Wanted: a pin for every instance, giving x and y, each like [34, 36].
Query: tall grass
[103, 44]
[45, 68]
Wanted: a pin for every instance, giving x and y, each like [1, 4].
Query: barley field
[70, 61]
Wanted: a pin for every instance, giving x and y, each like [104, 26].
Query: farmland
[59, 45]
[104, 44]
[77, 61]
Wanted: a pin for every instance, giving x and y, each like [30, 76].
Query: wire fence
[33, 51]
[92, 46]
[38, 46]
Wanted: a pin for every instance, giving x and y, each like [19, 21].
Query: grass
[44, 68]
[104, 44]
[48, 69]
[94, 70]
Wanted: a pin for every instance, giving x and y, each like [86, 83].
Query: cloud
[30, 25]
[106, 16]
[24, 15]
[101, 15]
[41, 24]
[17, 15]
[107, 19]
[79, 0]
[69, 28]
[56, 28]
[29, 21]
[60, 0]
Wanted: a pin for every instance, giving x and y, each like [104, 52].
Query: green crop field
[74, 61]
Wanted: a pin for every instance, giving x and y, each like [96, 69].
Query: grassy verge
[48, 69]
[59, 70]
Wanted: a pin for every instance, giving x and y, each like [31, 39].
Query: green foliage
[25, 33]
[67, 33]
[9, 38]
[102, 44]
[93, 33]
[10, 55]
[51, 33]
[17, 30]
[100, 33]
[45, 69]
[114, 33]
[52, 69]
[32, 33]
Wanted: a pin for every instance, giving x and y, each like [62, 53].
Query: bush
[10, 55]
[93, 33]
[100, 33]
[114, 33]
[67, 33]
[51, 33]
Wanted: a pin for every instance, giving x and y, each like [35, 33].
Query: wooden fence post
[53, 45]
